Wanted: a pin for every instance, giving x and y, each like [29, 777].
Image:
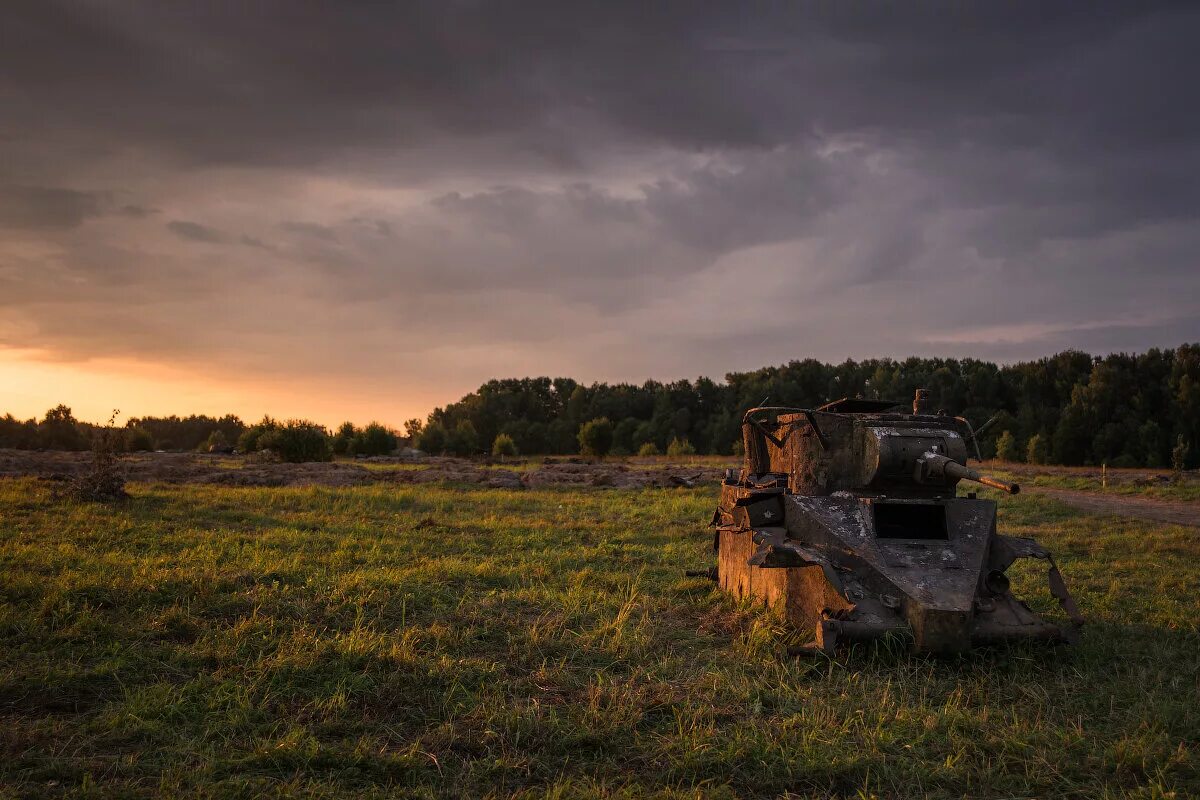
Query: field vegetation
[1155, 484]
[442, 641]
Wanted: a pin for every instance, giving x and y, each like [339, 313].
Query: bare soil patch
[1175, 512]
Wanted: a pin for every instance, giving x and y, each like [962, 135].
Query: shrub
[1006, 447]
[346, 433]
[17, 434]
[596, 437]
[504, 446]
[1178, 458]
[249, 441]
[680, 447]
[298, 441]
[1036, 452]
[138, 440]
[373, 440]
[103, 481]
[215, 443]
[648, 449]
[432, 438]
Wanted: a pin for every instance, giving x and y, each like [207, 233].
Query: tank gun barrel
[935, 468]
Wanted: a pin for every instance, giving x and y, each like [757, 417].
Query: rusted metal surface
[848, 519]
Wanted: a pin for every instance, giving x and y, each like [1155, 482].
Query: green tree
[343, 438]
[463, 441]
[373, 440]
[648, 449]
[433, 439]
[250, 440]
[412, 430]
[623, 434]
[680, 447]
[138, 440]
[1006, 447]
[1036, 451]
[216, 443]
[596, 437]
[1179, 458]
[503, 446]
[59, 430]
[297, 441]
[1153, 442]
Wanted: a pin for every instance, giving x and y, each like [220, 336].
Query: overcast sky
[365, 210]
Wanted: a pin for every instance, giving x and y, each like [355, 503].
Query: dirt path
[1173, 511]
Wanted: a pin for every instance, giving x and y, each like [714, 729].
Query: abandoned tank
[848, 519]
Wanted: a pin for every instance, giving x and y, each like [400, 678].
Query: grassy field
[436, 642]
[1158, 484]
[1188, 489]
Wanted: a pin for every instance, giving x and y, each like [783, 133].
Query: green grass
[1188, 489]
[441, 642]
[1158, 484]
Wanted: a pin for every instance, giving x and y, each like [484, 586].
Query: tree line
[1071, 408]
[292, 440]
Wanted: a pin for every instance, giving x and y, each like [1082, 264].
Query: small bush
[504, 446]
[138, 440]
[249, 441]
[373, 440]
[346, 433]
[103, 481]
[298, 441]
[648, 449]
[680, 447]
[596, 437]
[1037, 452]
[216, 443]
[1006, 447]
[1178, 458]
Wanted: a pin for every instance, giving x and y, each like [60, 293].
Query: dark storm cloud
[311, 229]
[194, 231]
[284, 82]
[45, 208]
[873, 178]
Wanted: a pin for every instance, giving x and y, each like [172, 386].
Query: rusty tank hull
[847, 519]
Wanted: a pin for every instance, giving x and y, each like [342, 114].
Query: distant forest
[1071, 408]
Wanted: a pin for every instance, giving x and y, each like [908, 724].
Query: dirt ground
[1136, 476]
[1175, 512]
[237, 471]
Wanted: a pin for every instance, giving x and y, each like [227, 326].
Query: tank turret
[848, 517]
